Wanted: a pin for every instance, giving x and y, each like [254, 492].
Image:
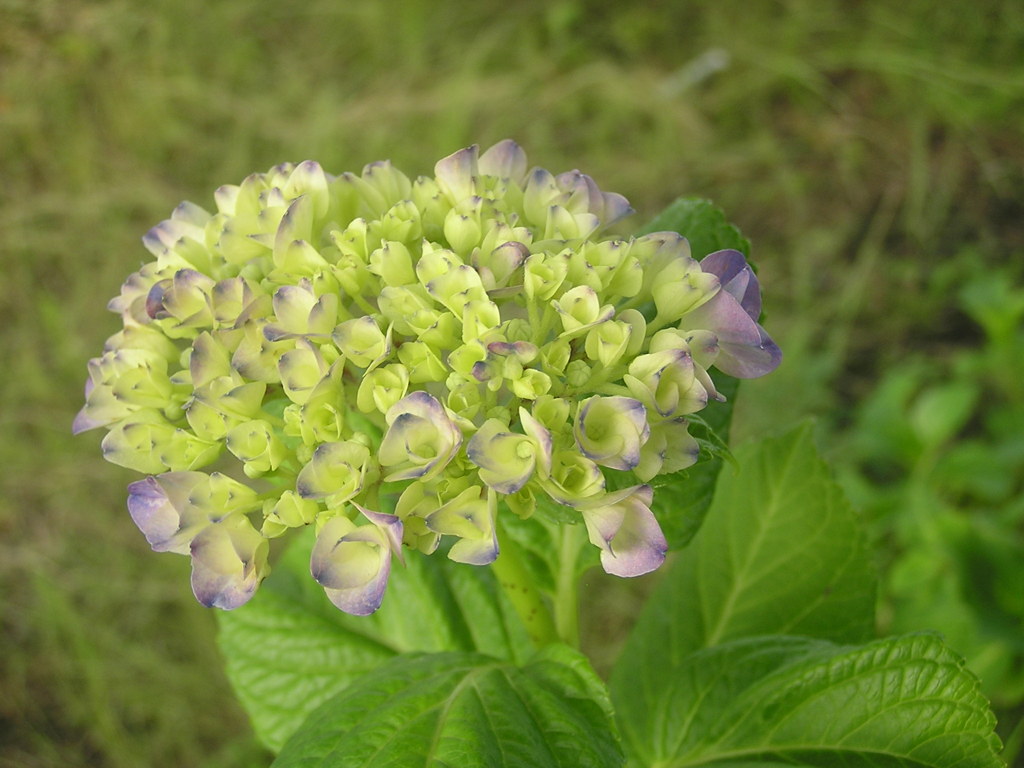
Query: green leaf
[905, 701]
[464, 710]
[289, 648]
[780, 553]
[700, 222]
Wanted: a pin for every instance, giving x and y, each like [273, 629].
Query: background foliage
[872, 151]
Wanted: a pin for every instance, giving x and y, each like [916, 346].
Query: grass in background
[864, 147]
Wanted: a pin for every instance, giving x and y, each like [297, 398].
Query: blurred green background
[872, 150]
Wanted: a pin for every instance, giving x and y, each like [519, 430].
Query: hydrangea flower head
[397, 362]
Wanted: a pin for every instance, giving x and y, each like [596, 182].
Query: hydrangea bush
[398, 361]
[469, 365]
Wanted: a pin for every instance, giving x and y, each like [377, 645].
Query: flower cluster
[398, 361]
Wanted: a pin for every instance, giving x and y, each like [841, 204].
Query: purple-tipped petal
[625, 529]
[542, 438]
[228, 562]
[390, 525]
[364, 600]
[155, 299]
[502, 483]
[161, 510]
[190, 213]
[622, 424]
[616, 208]
[506, 160]
[84, 422]
[481, 371]
[506, 459]
[582, 193]
[421, 418]
[482, 550]
[456, 174]
[746, 350]
[349, 562]
[512, 485]
[574, 480]
[481, 449]
[471, 519]
[345, 555]
[335, 471]
[584, 196]
[277, 333]
[215, 590]
[749, 362]
[475, 551]
[422, 404]
[165, 234]
[539, 192]
[501, 263]
[737, 278]
[156, 240]
[308, 178]
[523, 350]
[352, 564]
[219, 590]
[152, 512]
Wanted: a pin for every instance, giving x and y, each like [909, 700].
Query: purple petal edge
[84, 422]
[152, 513]
[737, 278]
[224, 593]
[472, 552]
[391, 525]
[638, 546]
[365, 599]
[749, 362]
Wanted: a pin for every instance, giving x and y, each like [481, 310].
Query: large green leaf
[290, 649]
[700, 222]
[780, 553]
[464, 710]
[903, 702]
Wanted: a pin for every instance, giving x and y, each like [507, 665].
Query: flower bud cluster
[396, 362]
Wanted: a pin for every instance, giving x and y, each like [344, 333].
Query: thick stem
[567, 612]
[523, 593]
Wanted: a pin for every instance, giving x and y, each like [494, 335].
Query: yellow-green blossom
[400, 362]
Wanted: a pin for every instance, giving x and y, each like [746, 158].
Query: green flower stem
[656, 325]
[275, 421]
[601, 375]
[523, 593]
[567, 613]
[547, 323]
[363, 304]
[541, 324]
[534, 318]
